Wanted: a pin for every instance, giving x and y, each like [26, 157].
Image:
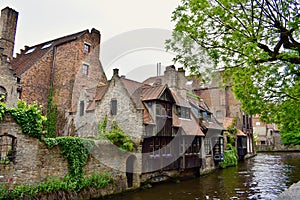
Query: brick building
[53, 73]
[226, 108]
[161, 118]
[8, 81]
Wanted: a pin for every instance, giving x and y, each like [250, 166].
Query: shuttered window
[113, 105]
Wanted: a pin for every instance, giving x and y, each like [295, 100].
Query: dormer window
[46, 46]
[30, 50]
[87, 48]
[183, 112]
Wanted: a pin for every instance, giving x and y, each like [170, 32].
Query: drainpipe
[52, 71]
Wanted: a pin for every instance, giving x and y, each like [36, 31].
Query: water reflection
[261, 177]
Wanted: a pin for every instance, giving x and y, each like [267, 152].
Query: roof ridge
[59, 38]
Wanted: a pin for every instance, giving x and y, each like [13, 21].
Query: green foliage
[119, 138]
[3, 109]
[54, 184]
[29, 117]
[51, 121]
[254, 45]
[230, 158]
[76, 151]
[231, 134]
[115, 135]
[102, 128]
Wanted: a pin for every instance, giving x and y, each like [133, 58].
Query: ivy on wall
[75, 150]
[51, 121]
[29, 117]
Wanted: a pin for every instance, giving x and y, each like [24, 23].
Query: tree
[256, 46]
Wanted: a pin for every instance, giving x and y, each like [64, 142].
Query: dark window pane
[81, 109]
[114, 106]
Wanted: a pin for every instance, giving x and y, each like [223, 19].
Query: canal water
[264, 176]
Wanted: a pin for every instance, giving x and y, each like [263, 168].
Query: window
[113, 106]
[30, 50]
[46, 46]
[196, 112]
[3, 94]
[219, 114]
[81, 108]
[8, 145]
[85, 69]
[183, 112]
[87, 48]
[163, 110]
[207, 146]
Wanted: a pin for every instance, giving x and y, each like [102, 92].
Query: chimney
[181, 82]
[181, 79]
[8, 26]
[170, 76]
[116, 72]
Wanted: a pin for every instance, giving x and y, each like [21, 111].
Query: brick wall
[8, 82]
[36, 81]
[34, 162]
[8, 25]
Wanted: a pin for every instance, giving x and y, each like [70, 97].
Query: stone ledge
[292, 193]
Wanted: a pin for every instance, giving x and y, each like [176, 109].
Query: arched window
[3, 94]
[8, 147]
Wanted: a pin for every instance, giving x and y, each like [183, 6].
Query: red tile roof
[100, 91]
[147, 117]
[130, 85]
[95, 94]
[33, 54]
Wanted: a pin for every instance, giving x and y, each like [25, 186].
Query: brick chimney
[170, 76]
[8, 26]
[181, 82]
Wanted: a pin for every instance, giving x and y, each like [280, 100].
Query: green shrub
[54, 184]
[116, 136]
[230, 158]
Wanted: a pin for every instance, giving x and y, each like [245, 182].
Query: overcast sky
[117, 20]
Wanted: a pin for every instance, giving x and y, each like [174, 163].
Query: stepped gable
[31, 55]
